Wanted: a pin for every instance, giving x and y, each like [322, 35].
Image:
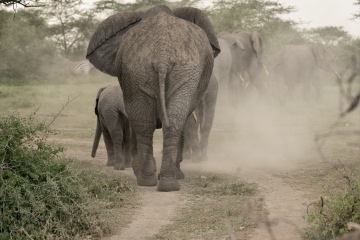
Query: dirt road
[268, 146]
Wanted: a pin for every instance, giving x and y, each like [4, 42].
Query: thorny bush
[40, 196]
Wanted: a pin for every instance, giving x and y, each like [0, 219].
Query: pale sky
[319, 13]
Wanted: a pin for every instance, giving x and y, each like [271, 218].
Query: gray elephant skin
[196, 148]
[163, 59]
[113, 124]
[298, 64]
[222, 66]
[241, 53]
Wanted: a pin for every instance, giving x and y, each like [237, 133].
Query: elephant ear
[238, 44]
[197, 17]
[257, 43]
[106, 39]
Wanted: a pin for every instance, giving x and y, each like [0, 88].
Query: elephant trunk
[96, 138]
[203, 112]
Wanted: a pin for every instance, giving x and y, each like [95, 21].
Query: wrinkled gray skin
[113, 123]
[164, 63]
[298, 64]
[205, 111]
[246, 57]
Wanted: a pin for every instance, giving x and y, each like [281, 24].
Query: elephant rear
[176, 46]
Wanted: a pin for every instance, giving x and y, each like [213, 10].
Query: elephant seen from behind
[113, 123]
[163, 59]
[196, 148]
[298, 64]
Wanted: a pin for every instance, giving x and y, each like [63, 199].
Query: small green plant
[40, 196]
[329, 217]
[222, 186]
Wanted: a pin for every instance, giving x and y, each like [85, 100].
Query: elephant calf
[193, 148]
[113, 122]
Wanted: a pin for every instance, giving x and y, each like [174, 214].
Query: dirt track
[273, 147]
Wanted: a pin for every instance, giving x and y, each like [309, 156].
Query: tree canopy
[62, 28]
[24, 3]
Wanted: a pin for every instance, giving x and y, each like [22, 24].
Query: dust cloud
[264, 135]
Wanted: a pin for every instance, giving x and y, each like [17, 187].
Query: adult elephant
[113, 123]
[298, 64]
[246, 50]
[193, 147]
[163, 59]
[222, 66]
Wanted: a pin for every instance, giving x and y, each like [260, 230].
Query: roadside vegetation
[42, 195]
[340, 204]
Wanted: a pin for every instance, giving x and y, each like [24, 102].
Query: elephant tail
[97, 136]
[98, 127]
[162, 70]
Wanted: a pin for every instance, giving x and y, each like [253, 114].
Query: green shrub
[330, 216]
[40, 196]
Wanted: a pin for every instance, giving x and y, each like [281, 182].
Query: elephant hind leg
[144, 164]
[117, 137]
[318, 87]
[187, 148]
[127, 144]
[143, 125]
[179, 108]
[109, 147]
[192, 129]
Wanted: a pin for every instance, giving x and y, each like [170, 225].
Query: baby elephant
[113, 122]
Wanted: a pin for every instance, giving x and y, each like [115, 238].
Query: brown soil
[271, 147]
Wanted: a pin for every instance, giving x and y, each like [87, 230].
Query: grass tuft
[216, 206]
[329, 216]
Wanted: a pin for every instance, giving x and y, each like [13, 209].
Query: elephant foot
[186, 155]
[168, 184]
[179, 174]
[146, 180]
[119, 166]
[196, 158]
[110, 163]
[128, 164]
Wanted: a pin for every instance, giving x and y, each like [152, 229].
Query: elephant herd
[169, 66]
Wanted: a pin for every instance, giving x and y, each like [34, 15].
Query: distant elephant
[298, 64]
[193, 148]
[113, 123]
[222, 66]
[163, 59]
[246, 58]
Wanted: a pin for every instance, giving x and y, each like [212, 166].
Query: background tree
[24, 50]
[71, 26]
[24, 3]
[356, 15]
[112, 6]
